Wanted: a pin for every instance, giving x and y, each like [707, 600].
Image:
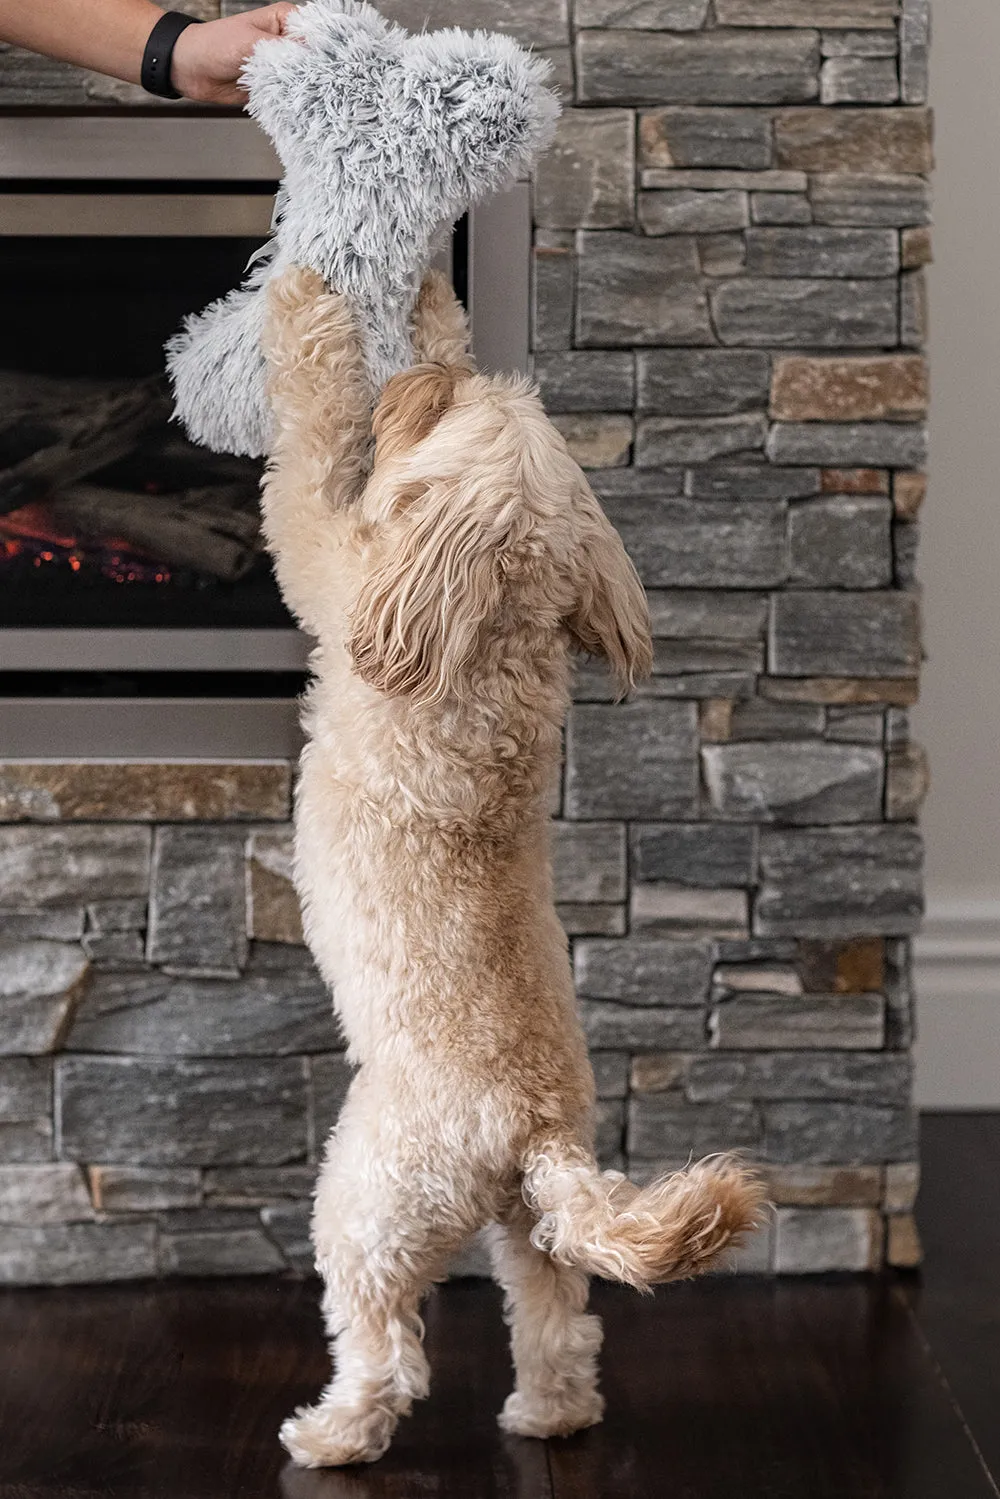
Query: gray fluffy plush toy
[386, 139]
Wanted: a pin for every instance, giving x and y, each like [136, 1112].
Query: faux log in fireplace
[98, 494]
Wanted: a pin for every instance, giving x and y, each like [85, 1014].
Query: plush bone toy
[386, 139]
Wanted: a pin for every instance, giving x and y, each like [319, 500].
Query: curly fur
[447, 590]
[670, 1230]
[385, 139]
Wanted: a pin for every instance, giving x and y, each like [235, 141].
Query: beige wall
[959, 717]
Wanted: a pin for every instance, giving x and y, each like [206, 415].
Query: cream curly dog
[446, 590]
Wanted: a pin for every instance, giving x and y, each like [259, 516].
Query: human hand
[207, 59]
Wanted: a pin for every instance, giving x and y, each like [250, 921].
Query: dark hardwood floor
[820, 1389]
[955, 1304]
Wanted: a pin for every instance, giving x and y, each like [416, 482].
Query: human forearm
[110, 36]
[106, 35]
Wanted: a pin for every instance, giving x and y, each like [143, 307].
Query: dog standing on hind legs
[447, 588]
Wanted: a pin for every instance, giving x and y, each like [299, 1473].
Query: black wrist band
[159, 54]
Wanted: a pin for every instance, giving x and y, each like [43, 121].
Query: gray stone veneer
[729, 312]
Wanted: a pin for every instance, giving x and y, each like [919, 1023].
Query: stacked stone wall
[729, 314]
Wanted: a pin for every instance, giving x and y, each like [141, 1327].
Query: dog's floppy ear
[411, 406]
[417, 618]
[611, 616]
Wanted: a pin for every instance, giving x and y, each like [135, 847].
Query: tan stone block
[896, 692]
[909, 490]
[757, 978]
[596, 441]
[586, 178]
[908, 780]
[902, 1183]
[257, 1186]
[273, 913]
[40, 987]
[715, 720]
[852, 14]
[824, 1186]
[46, 1193]
[916, 247]
[662, 909]
[914, 310]
[814, 1240]
[856, 967]
[145, 1189]
[658, 1071]
[884, 387]
[854, 481]
[138, 791]
[875, 141]
[904, 1250]
[591, 919]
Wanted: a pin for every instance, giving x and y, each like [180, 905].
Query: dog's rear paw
[551, 1416]
[325, 1436]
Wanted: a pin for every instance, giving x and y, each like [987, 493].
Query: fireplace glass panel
[123, 547]
[140, 528]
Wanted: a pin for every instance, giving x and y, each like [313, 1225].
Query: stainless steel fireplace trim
[169, 148]
[156, 650]
[499, 244]
[153, 729]
[137, 215]
[499, 279]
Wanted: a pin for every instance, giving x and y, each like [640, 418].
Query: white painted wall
[958, 958]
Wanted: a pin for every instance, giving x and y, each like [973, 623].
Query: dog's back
[447, 595]
[427, 897]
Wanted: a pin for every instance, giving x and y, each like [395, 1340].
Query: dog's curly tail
[600, 1222]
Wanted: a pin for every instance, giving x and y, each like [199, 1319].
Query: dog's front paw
[330, 1436]
[440, 326]
[572, 1409]
[295, 288]
[308, 330]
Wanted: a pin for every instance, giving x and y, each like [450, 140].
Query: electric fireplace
[129, 557]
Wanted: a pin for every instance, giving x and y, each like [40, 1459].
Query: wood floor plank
[149, 1391]
[177, 1392]
[792, 1390]
[734, 1388]
[451, 1447]
[957, 1299]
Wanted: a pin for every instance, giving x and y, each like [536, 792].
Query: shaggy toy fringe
[386, 139]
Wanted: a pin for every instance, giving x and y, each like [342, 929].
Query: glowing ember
[28, 537]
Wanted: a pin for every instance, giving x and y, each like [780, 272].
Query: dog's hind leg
[554, 1341]
[382, 1235]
